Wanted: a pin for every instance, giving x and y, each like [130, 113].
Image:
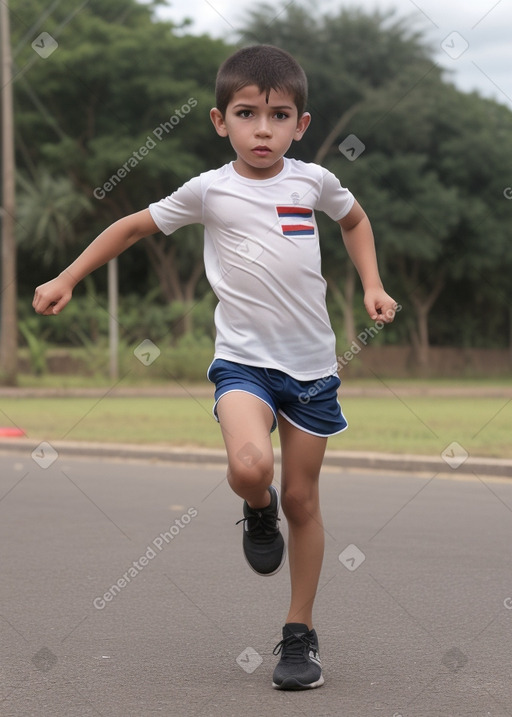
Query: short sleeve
[182, 207]
[336, 201]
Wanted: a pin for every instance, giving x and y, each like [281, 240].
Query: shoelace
[292, 647]
[260, 524]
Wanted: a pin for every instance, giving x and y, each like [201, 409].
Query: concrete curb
[389, 462]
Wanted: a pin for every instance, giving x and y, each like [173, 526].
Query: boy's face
[260, 132]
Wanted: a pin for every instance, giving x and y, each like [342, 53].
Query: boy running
[275, 360]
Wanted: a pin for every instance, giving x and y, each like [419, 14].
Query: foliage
[46, 210]
[418, 424]
[431, 177]
[432, 173]
[36, 344]
[85, 320]
[120, 112]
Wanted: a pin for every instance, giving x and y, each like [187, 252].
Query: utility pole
[113, 310]
[8, 290]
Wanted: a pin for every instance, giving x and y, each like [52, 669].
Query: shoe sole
[268, 575]
[291, 683]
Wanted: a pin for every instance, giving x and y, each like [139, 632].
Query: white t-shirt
[262, 259]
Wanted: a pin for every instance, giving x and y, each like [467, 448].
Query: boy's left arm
[358, 238]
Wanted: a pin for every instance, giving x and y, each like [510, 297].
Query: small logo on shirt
[296, 221]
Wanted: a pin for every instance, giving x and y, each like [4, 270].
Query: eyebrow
[248, 106]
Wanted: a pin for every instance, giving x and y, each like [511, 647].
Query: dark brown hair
[267, 67]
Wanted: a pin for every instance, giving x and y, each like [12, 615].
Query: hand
[379, 305]
[52, 297]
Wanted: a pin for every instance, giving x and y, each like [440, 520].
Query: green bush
[77, 340]
[86, 319]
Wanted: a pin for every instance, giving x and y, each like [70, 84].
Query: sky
[470, 38]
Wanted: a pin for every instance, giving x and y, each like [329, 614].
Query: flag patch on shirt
[296, 221]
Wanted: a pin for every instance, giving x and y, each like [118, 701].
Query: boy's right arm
[52, 297]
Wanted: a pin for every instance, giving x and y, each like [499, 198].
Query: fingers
[41, 304]
[49, 310]
[38, 302]
[48, 301]
[381, 307]
[387, 312]
[57, 306]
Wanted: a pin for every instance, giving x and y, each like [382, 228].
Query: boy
[275, 361]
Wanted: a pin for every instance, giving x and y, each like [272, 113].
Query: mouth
[261, 151]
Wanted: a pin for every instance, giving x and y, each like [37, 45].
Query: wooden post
[113, 331]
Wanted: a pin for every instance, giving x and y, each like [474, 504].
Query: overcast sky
[475, 34]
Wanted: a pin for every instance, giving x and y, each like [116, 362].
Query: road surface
[124, 593]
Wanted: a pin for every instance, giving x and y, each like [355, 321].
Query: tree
[357, 62]
[124, 132]
[8, 327]
[434, 191]
[47, 209]
[434, 165]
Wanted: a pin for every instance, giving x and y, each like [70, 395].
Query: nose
[263, 128]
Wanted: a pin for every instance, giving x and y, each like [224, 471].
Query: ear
[302, 126]
[217, 118]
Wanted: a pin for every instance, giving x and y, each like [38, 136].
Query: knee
[300, 505]
[249, 472]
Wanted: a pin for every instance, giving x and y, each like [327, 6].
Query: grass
[409, 424]
[130, 379]
[427, 425]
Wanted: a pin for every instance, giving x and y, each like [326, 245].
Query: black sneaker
[263, 544]
[299, 667]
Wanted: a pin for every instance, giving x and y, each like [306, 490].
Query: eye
[281, 115]
[244, 113]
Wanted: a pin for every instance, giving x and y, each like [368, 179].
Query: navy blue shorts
[312, 406]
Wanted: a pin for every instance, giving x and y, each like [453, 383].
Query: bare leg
[246, 421]
[302, 456]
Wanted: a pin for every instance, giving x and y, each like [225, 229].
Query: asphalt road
[124, 592]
